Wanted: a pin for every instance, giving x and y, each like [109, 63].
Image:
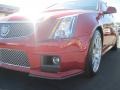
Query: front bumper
[72, 55]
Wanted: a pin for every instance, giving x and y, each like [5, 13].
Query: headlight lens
[64, 28]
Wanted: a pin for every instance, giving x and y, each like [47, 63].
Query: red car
[68, 39]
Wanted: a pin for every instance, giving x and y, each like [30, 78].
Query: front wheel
[94, 54]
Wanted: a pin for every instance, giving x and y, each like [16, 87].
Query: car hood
[46, 14]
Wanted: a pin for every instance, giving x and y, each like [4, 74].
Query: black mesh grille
[13, 57]
[11, 30]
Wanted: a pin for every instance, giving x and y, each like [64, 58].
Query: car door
[108, 27]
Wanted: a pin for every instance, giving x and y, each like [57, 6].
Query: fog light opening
[56, 60]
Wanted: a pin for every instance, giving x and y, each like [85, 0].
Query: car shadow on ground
[108, 78]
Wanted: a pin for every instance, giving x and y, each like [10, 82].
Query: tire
[94, 55]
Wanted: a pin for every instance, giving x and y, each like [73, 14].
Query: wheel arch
[100, 30]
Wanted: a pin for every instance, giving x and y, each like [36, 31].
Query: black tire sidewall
[89, 67]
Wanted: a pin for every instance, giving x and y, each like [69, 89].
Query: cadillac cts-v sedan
[67, 39]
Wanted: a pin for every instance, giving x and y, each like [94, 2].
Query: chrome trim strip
[1, 63]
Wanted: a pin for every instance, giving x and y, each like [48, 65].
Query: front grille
[11, 30]
[13, 57]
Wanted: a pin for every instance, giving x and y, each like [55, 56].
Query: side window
[104, 6]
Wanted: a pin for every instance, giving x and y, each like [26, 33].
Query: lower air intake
[13, 57]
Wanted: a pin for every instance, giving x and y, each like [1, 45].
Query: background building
[5, 10]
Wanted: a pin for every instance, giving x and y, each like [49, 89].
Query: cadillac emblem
[4, 30]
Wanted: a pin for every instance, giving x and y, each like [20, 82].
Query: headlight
[64, 28]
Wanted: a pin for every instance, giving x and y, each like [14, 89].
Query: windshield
[28, 5]
[77, 4]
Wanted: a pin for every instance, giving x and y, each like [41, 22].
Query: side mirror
[110, 10]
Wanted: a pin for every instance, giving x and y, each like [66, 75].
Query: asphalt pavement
[108, 78]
